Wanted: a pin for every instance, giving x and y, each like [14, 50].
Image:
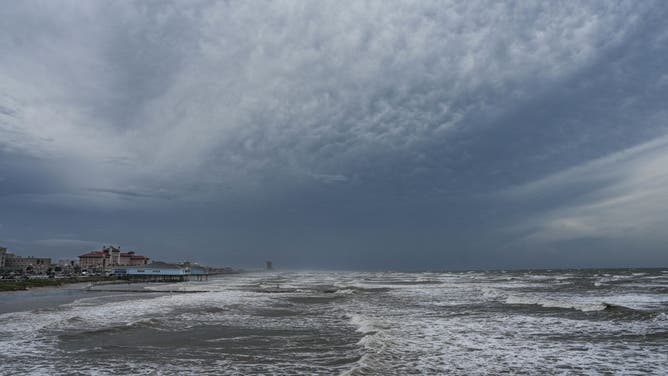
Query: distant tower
[268, 265]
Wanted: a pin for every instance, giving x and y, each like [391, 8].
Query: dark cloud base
[337, 135]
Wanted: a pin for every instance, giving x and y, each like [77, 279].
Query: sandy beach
[44, 298]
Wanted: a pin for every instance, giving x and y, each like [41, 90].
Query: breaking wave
[355, 324]
[564, 304]
[374, 341]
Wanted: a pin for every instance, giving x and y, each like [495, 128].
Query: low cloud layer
[622, 196]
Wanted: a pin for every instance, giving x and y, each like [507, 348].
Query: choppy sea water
[350, 323]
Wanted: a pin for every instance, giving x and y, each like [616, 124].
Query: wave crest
[553, 303]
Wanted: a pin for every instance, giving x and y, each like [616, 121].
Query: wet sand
[52, 296]
[42, 297]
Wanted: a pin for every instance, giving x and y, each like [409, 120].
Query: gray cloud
[625, 197]
[68, 243]
[382, 114]
[223, 88]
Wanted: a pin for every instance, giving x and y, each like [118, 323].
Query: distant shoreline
[27, 284]
[50, 296]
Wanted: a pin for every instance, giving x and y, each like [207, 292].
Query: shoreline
[30, 284]
[52, 296]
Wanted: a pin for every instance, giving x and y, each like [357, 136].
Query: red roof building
[111, 256]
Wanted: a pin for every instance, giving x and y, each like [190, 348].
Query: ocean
[349, 323]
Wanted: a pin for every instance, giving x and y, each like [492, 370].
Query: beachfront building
[10, 262]
[109, 257]
[38, 265]
[161, 271]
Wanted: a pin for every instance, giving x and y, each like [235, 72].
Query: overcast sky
[335, 134]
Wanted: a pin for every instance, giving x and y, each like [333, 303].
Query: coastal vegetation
[25, 284]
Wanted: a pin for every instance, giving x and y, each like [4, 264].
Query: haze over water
[354, 323]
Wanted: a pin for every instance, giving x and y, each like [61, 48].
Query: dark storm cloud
[463, 133]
